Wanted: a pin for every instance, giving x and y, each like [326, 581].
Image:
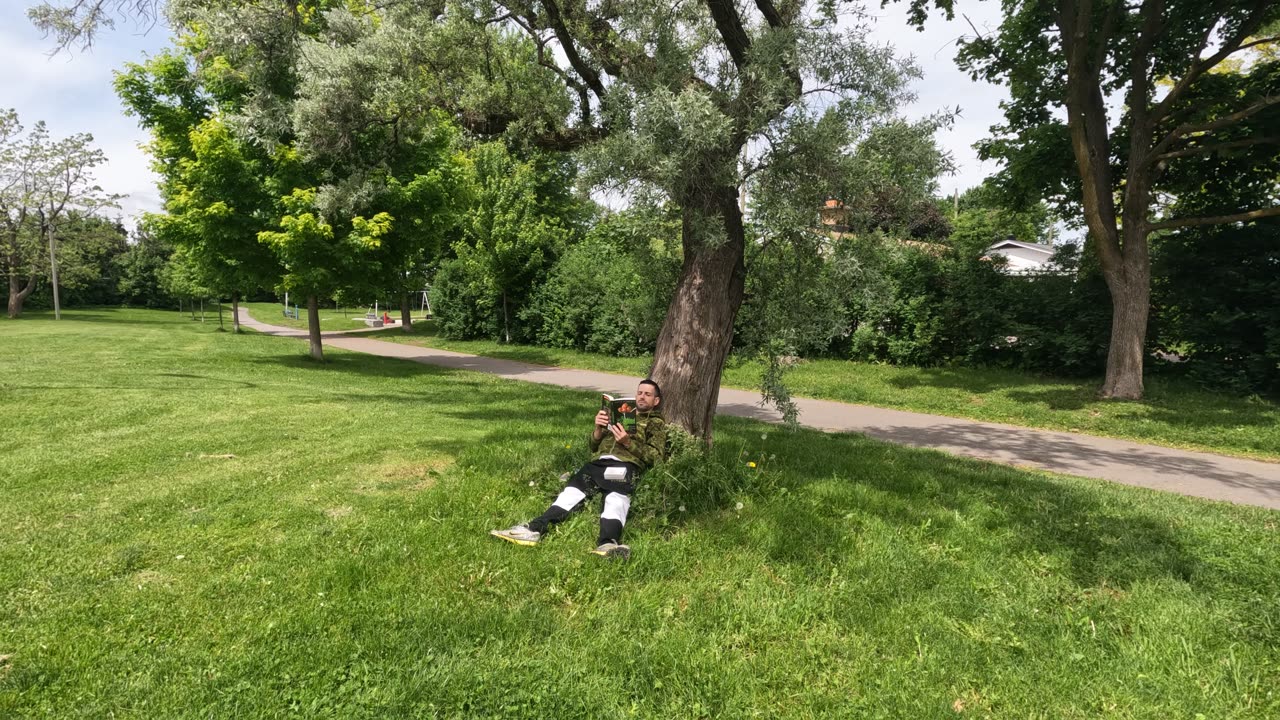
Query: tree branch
[1199, 67]
[731, 31]
[1215, 147]
[771, 14]
[580, 66]
[1216, 220]
[1260, 41]
[1108, 26]
[1224, 121]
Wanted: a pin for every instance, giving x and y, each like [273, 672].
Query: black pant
[588, 481]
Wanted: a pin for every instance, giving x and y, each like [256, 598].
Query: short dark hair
[657, 390]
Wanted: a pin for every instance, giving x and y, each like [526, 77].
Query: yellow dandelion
[751, 464]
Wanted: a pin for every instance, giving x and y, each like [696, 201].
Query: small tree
[316, 262]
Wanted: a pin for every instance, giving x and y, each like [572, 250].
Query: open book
[622, 411]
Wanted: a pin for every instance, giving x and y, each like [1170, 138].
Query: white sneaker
[613, 550]
[518, 534]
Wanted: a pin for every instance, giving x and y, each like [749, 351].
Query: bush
[917, 306]
[596, 300]
[1215, 295]
[1061, 319]
[609, 293]
[462, 303]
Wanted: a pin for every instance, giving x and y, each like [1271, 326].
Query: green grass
[338, 564]
[1173, 413]
[330, 318]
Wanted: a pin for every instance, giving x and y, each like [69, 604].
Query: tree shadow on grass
[1104, 537]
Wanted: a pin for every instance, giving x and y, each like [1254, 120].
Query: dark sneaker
[613, 550]
[518, 534]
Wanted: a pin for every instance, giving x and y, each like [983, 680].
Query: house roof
[1046, 249]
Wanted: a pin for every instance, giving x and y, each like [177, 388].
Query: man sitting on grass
[618, 461]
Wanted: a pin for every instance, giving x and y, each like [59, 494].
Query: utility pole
[53, 265]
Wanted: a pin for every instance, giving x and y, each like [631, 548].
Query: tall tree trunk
[1130, 287]
[313, 327]
[220, 312]
[18, 293]
[235, 313]
[697, 334]
[1121, 242]
[53, 266]
[406, 322]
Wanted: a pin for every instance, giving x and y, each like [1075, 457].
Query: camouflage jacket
[648, 442]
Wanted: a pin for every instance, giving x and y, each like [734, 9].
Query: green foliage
[1060, 319]
[917, 307]
[892, 177]
[181, 277]
[316, 261]
[792, 302]
[1216, 293]
[988, 214]
[464, 306]
[609, 293]
[48, 195]
[510, 241]
[139, 268]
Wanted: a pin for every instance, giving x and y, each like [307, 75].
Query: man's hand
[620, 434]
[602, 422]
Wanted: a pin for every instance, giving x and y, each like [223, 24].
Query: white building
[1022, 258]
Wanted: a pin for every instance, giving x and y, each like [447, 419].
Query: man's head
[648, 395]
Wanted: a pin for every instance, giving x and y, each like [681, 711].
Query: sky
[72, 91]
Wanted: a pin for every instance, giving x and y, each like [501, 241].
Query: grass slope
[197, 524]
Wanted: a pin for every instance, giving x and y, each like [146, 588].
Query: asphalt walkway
[1217, 477]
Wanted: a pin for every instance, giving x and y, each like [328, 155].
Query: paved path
[1246, 482]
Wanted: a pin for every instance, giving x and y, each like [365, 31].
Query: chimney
[833, 215]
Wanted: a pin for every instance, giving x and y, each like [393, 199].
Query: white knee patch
[569, 498]
[615, 507]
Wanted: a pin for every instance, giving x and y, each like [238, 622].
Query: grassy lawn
[330, 318]
[197, 524]
[1175, 414]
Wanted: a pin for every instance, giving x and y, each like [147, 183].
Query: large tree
[692, 103]
[1121, 72]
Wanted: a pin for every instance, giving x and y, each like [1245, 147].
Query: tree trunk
[406, 322]
[313, 327]
[220, 312]
[18, 294]
[698, 331]
[1130, 287]
[506, 322]
[235, 313]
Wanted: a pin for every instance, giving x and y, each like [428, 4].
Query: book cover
[622, 411]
